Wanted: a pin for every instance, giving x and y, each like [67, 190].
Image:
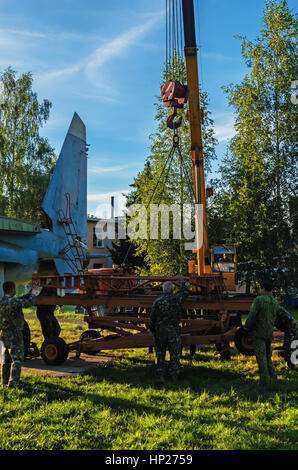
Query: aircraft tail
[65, 202]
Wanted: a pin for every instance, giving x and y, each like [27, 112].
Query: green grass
[216, 405]
[66, 311]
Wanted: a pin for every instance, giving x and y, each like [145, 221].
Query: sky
[104, 60]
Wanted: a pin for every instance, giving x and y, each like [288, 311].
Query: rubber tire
[27, 339]
[54, 351]
[240, 343]
[90, 334]
[224, 351]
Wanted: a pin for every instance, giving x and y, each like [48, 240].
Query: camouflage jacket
[284, 320]
[166, 310]
[261, 317]
[12, 317]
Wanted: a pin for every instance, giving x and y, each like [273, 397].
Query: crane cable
[168, 162]
[191, 188]
[174, 36]
[174, 48]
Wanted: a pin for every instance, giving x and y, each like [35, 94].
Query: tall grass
[119, 405]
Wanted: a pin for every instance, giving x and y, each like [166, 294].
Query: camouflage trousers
[167, 339]
[262, 348]
[12, 364]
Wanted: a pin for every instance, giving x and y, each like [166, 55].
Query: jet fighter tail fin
[65, 202]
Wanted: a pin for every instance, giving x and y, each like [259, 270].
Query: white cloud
[18, 32]
[116, 46]
[225, 131]
[102, 197]
[224, 126]
[100, 170]
[99, 204]
[64, 35]
[60, 72]
[217, 56]
[103, 54]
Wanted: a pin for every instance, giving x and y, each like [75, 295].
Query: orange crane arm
[195, 121]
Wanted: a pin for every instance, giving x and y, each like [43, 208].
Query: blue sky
[104, 60]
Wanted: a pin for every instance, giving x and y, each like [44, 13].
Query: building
[99, 243]
[101, 233]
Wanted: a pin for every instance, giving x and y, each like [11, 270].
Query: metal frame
[207, 317]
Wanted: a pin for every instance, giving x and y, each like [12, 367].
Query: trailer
[117, 312]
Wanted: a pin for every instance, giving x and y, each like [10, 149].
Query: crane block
[174, 94]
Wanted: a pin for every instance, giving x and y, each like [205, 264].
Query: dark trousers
[167, 339]
[262, 348]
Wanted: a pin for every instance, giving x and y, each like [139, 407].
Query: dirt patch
[71, 367]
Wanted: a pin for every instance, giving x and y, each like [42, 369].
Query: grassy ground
[216, 405]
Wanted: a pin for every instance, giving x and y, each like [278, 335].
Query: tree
[259, 172]
[167, 178]
[124, 253]
[26, 158]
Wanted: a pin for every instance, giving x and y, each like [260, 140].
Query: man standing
[260, 322]
[11, 332]
[165, 317]
[286, 323]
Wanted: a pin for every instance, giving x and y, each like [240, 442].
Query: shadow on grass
[132, 407]
[203, 373]
[228, 387]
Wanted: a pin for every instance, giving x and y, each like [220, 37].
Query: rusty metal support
[206, 318]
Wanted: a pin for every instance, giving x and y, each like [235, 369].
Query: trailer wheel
[54, 351]
[243, 342]
[224, 351]
[90, 334]
[27, 339]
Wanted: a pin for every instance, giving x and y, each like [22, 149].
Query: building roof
[92, 218]
[11, 224]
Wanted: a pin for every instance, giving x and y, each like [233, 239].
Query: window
[223, 259]
[98, 238]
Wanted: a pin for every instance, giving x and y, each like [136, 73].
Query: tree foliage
[258, 193]
[26, 158]
[124, 253]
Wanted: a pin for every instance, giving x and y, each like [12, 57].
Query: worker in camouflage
[11, 332]
[165, 317]
[45, 313]
[286, 323]
[260, 322]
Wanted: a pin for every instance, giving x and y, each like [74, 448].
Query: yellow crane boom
[195, 121]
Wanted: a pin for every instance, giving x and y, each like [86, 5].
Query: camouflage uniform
[165, 317]
[45, 313]
[286, 323]
[260, 322]
[11, 334]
